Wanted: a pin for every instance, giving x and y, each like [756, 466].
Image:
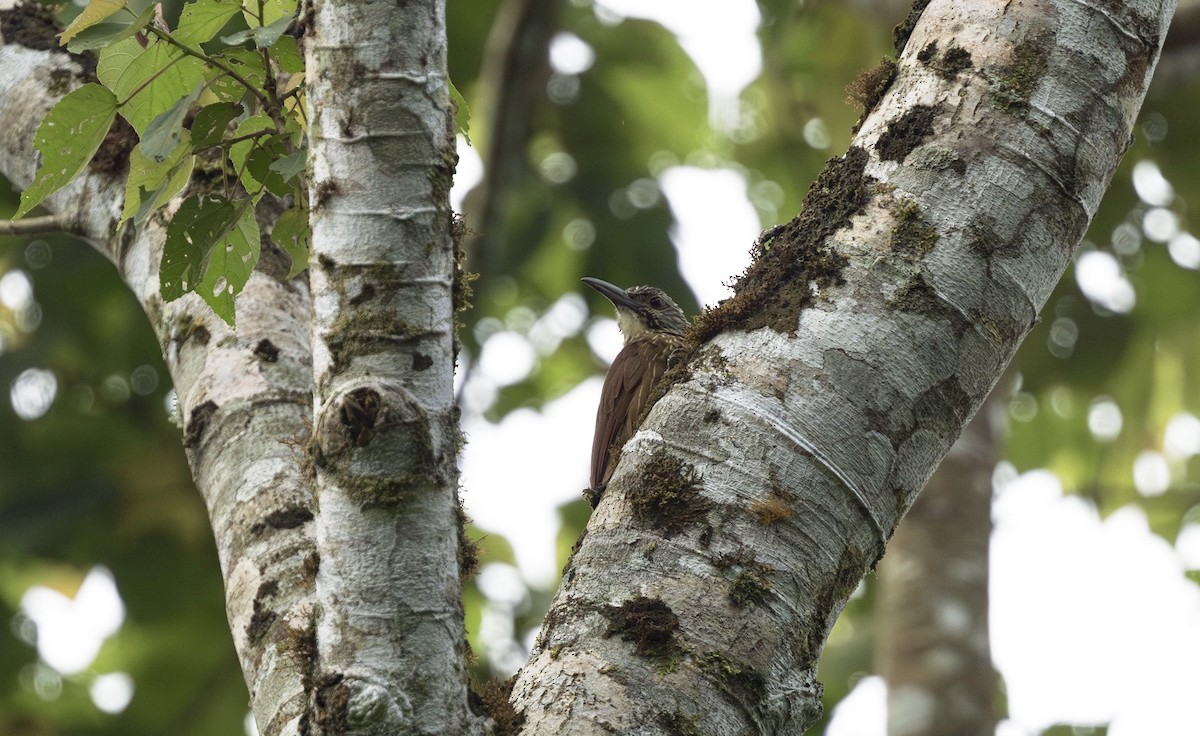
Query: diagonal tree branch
[863, 336]
[37, 226]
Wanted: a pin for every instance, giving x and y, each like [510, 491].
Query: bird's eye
[656, 302]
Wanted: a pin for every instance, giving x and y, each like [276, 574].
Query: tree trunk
[244, 398]
[390, 641]
[932, 614]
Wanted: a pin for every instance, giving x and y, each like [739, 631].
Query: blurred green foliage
[101, 478]
[1145, 361]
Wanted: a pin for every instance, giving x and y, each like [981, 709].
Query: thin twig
[39, 225]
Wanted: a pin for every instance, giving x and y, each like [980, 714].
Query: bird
[653, 326]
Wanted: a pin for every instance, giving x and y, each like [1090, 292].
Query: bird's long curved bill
[614, 294]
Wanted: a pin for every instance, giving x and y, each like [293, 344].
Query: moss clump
[468, 549]
[742, 684]
[789, 263]
[493, 697]
[409, 437]
[955, 60]
[289, 517]
[666, 494]
[360, 331]
[198, 422]
[904, 28]
[32, 25]
[752, 581]
[263, 618]
[462, 291]
[650, 624]
[331, 704]
[869, 87]
[266, 351]
[776, 506]
[388, 493]
[770, 510]
[677, 723]
[1013, 85]
[912, 234]
[906, 133]
[947, 65]
[749, 587]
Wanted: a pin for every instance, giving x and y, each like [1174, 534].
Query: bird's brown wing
[627, 387]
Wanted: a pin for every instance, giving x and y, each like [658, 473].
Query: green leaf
[292, 126]
[208, 129]
[198, 225]
[67, 139]
[290, 165]
[273, 31]
[273, 10]
[239, 152]
[287, 55]
[96, 37]
[229, 268]
[151, 184]
[259, 165]
[462, 113]
[248, 64]
[264, 36]
[292, 235]
[201, 20]
[211, 248]
[96, 11]
[238, 38]
[106, 34]
[147, 81]
[164, 132]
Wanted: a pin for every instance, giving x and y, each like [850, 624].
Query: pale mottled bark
[390, 635]
[243, 414]
[932, 605]
[1004, 161]
[247, 407]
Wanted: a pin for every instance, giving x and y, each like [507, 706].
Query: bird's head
[642, 309]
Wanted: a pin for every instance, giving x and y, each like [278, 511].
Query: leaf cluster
[231, 104]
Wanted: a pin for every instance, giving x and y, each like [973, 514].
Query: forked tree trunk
[761, 487]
